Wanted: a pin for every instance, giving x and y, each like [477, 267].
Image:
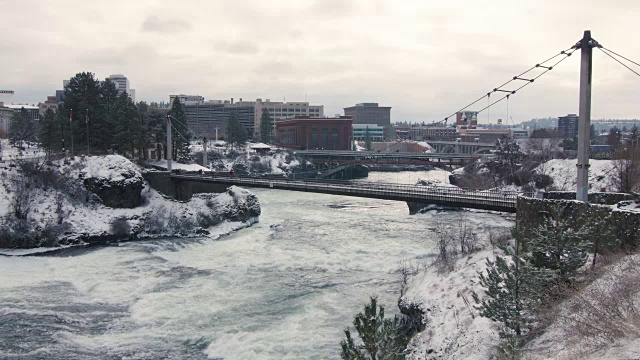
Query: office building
[467, 118]
[210, 119]
[373, 131]
[315, 133]
[568, 125]
[122, 85]
[520, 133]
[50, 103]
[279, 110]
[32, 110]
[371, 113]
[187, 99]
[6, 114]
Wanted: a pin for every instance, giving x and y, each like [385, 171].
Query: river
[284, 288]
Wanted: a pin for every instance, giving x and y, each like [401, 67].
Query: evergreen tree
[181, 136]
[266, 127]
[103, 125]
[235, 133]
[22, 128]
[367, 140]
[50, 132]
[558, 246]
[82, 96]
[124, 115]
[381, 338]
[513, 290]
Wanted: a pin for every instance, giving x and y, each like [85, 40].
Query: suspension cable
[615, 53]
[567, 54]
[517, 77]
[620, 62]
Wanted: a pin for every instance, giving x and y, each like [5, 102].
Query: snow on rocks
[564, 174]
[113, 178]
[454, 330]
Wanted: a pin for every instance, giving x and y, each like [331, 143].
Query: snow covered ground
[454, 329]
[565, 175]
[11, 153]
[600, 321]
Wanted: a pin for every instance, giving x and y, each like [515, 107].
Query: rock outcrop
[114, 179]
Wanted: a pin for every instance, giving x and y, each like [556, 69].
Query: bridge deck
[448, 196]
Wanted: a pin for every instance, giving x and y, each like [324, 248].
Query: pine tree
[181, 135]
[235, 133]
[513, 290]
[266, 127]
[381, 338]
[83, 94]
[558, 246]
[50, 134]
[124, 114]
[22, 128]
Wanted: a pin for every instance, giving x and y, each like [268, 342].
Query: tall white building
[122, 85]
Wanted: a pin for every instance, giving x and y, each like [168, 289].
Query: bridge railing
[441, 194]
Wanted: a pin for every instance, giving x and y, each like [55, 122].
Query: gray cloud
[164, 25]
[425, 59]
[241, 47]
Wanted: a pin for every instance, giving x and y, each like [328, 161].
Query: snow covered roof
[260, 146]
[20, 106]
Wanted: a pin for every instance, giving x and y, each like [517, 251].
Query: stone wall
[624, 224]
[603, 198]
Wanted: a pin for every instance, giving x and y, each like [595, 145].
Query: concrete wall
[179, 189]
[624, 224]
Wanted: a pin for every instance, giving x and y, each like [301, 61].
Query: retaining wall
[180, 189]
[624, 224]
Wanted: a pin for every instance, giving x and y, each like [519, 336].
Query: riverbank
[102, 199]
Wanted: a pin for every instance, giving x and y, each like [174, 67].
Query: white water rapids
[284, 288]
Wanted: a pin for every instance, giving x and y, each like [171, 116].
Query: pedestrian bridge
[504, 201]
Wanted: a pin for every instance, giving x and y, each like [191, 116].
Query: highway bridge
[399, 158]
[504, 201]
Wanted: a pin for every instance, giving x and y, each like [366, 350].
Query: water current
[284, 288]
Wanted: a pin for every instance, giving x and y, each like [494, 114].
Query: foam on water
[284, 288]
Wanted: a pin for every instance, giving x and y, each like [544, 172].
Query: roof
[20, 106]
[260, 146]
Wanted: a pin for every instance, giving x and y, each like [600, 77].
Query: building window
[325, 138]
[314, 138]
[334, 138]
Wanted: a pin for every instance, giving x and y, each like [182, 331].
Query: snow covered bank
[89, 200]
[601, 321]
[454, 329]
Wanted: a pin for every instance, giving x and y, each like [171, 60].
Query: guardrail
[453, 196]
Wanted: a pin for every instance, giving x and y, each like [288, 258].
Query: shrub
[381, 338]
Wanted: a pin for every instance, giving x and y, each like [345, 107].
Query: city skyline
[424, 60]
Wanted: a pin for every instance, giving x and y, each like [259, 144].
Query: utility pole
[169, 149]
[586, 46]
[205, 163]
[71, 129]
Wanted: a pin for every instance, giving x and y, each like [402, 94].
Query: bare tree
[625, 170]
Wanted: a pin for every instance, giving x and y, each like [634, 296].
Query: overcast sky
[425, 59]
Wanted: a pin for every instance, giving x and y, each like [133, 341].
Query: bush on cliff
[381, 338]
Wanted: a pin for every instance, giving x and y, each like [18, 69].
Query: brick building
[315, 133]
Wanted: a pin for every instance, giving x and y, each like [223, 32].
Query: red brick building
[315, 133]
